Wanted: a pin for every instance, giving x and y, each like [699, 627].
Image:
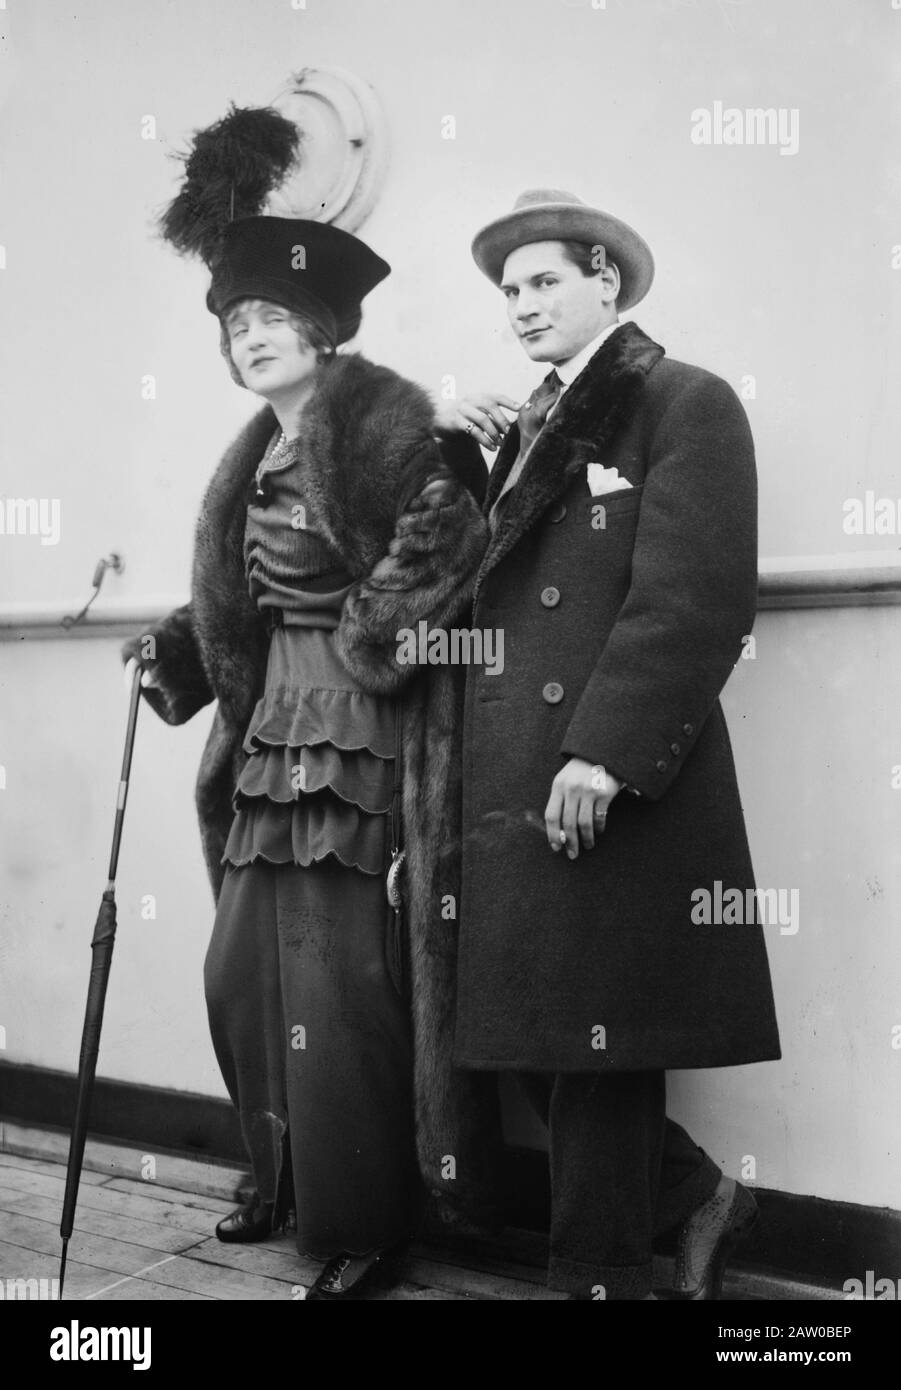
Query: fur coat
[369, 437]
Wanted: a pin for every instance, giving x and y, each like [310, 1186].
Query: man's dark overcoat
[621, 627]
[369, 449]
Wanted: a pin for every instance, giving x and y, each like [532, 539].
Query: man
[599, 786]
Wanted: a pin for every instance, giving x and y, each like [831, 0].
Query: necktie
[535, 411]
[530, 420]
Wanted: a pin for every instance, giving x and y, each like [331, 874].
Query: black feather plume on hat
[230, 170]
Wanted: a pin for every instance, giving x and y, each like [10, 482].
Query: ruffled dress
[319, 774]
[303, 975]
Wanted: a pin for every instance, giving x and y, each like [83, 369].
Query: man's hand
[577, 807]
[480, 416]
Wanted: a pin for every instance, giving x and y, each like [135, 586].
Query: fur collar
[593, 410]
[361, 427]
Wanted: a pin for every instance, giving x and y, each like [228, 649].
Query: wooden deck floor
[142, 1237]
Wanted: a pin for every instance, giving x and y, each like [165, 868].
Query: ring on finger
[562, 837]
[470, 427]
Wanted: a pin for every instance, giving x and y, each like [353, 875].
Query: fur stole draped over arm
[169, 651]
[428, 573]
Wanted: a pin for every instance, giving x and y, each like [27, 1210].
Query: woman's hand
[580, 797]
[480, 416]
[148, 678]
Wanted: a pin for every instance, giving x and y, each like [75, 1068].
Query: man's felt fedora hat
[550, 214]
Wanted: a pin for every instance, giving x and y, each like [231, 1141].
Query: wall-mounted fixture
[113, 561]
[343, 148]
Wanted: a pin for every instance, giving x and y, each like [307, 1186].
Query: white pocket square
[602, 480]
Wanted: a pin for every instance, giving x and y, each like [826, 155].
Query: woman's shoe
[349, 1277]
[250, 1222]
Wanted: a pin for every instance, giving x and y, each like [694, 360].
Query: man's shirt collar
[568, 371]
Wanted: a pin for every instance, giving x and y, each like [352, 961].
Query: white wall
[64, 722]
[775, 266]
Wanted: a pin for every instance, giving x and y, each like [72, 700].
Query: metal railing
[861, 579]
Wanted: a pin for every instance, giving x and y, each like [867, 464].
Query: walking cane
[101, 959]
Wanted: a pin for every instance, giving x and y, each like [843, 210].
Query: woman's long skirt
[304, 973]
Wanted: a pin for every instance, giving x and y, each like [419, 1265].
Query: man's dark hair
[581, 254]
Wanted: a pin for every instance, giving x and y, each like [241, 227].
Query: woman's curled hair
[306, 330]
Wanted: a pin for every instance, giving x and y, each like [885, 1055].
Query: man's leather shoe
[348, 1277]
[250, 1222]
[706, 1239]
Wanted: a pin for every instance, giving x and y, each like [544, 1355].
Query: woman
[332, 522]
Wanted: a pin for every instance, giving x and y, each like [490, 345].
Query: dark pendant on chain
[261, 492]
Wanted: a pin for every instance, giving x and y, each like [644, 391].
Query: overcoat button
[550, 597]
[674, 748]
[688, 729]
[552, 693]
[661, 766]
[558, 511]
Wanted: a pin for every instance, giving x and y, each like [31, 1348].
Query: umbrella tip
[62, 1266]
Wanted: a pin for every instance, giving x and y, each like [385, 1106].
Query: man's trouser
[621, 1174]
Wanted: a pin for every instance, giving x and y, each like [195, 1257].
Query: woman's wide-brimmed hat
[550, 214]
[313, 268]
[232, 170]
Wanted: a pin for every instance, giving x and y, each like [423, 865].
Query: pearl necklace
[271, 460]
[261, 494]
